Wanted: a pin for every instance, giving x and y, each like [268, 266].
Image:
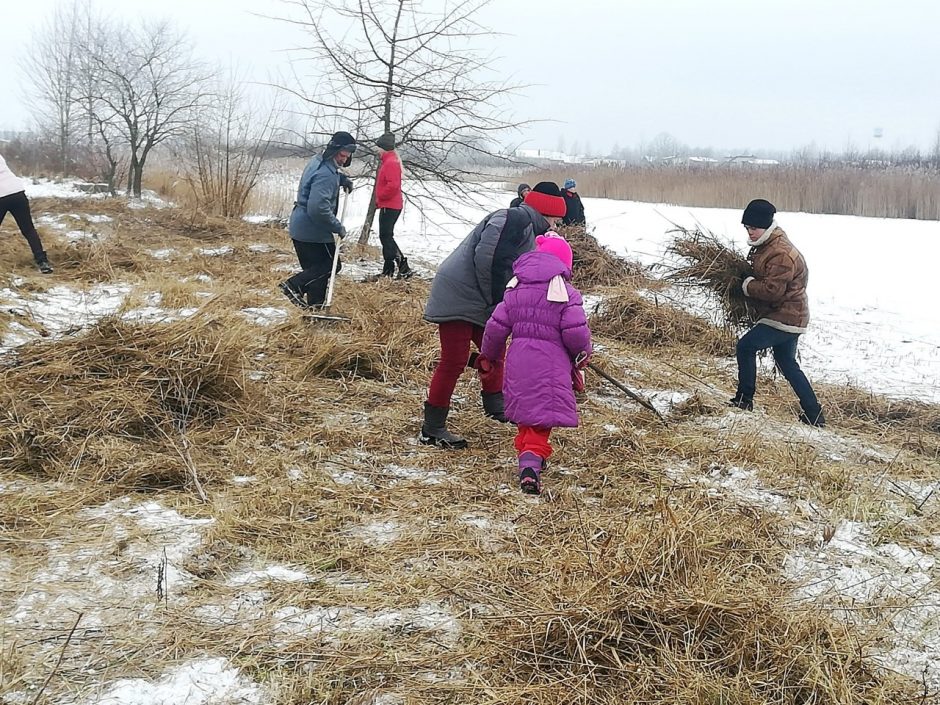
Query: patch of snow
[265, 315]
[243, 479]
[206, 681]
[899, 582]
[378, 533]
[295, 473]
[61, 309]
[44, 188]
[216, 251]
[425, 477]
[256, 218]
[112, 563]
[244, 607]
[272, 573]
[163, 254]
[79, 235]
[98, 218]
[664, 401]
[331, 623]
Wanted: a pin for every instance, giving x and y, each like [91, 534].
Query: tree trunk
[138, 178]
[370, 214]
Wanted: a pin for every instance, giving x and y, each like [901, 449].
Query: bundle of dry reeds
[595, 265]
[121, 388]
[708, 263]
[633, 319]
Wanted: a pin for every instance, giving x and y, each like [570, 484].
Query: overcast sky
[771, 74]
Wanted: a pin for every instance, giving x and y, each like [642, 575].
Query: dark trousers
[783, 344]
[18, 205]
[316, 261]
[387, 219]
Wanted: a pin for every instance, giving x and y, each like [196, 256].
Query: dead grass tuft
[594, 265]
[106, 400]
[633, 319]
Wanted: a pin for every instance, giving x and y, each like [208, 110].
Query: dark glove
[345, 183]
[341, 232]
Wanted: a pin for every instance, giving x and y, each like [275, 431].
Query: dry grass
[594, 265]
[637, 320]
[708, 263]
[891, 193]
[620, 584]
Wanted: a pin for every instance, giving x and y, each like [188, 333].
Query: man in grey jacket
[468, 286]
[313, 221]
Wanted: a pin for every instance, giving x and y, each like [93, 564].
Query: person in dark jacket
[521, 191]
[313, 221]
[574, 209]
[467, 288]
[389, 201]
[777, 293]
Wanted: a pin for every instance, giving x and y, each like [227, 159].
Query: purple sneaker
[530, 473]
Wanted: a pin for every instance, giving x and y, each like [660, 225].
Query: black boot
[404, 271]
[388, 269]
[293, 295]
[434, 431]
[817, 419]
[44, 265]
[494, 407]
[741, 402]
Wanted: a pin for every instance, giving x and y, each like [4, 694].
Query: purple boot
[530, 473]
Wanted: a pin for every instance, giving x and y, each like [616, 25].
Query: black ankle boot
[434, 431]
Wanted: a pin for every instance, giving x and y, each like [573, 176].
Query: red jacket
[388, 186]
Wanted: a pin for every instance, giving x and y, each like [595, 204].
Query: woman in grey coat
[468, 286]
[313, 221]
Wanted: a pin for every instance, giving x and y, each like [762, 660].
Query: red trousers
[534, 440]
[455, 351]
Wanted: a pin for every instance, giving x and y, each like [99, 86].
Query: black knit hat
[759, 214]
[521, 188]
[546, 198]
[342, 142]
[386, 141]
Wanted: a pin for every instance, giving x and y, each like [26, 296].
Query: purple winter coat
[546, 338]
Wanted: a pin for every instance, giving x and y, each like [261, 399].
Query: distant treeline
[911, 191]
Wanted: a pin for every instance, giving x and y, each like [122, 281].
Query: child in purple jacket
[551, 341]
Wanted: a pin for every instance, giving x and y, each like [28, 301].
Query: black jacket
[516, 202]
[574, 214]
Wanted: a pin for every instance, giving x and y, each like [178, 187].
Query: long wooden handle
[336, 241]
[638, 398]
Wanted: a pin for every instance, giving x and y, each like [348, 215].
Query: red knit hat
[546, 198]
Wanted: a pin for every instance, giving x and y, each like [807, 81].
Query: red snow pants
[533, 439]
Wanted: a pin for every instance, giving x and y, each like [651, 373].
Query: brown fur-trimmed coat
[777, 289]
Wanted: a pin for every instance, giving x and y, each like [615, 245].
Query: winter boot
[818, 419]
[433, 431]
[740, 402]
[388, 269]
[494, 407]
[293, 295]
[530, 473]
[404, 271]
[44, 266]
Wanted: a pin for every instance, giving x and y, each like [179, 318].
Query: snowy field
[875, 323]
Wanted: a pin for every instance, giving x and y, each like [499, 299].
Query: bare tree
[143, 82]
[225, 149]
[404, 67]
[51, 68]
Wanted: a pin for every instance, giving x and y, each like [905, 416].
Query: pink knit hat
[555, 244]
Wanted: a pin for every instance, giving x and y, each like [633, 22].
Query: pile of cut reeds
[595, 265]
[636, 320]
[709, 263]
[104, 400]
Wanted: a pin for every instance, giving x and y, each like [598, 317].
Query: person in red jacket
[388, 199]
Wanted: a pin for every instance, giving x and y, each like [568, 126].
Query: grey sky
[772, 74]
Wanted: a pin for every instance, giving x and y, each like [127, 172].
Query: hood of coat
[537, 267]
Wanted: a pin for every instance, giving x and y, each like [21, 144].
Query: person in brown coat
[777, 293]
